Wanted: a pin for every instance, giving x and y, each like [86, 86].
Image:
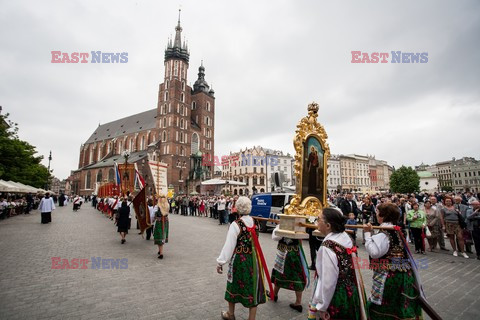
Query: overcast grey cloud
[266, 60]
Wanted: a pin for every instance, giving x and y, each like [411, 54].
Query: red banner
[141, 210]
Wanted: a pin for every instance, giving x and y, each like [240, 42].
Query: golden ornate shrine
[311, 154]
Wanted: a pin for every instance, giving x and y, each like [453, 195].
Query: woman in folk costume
[247, 270]
[160, 233]
[291, 270]
[392, 289]
[336, 294]
[122, 223]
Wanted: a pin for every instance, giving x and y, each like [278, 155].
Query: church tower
[184, 118]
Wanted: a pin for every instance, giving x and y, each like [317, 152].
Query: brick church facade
[178, 132]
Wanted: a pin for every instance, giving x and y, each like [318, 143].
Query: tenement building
[176, 133]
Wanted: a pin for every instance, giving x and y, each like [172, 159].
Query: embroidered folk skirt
[395, 305]
[345, 303]
[293, 276]
[160, 232]
[245, 281]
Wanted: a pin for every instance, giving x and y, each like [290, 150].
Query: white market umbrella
[220, 182]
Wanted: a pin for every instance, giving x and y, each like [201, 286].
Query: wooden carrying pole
[314, 226]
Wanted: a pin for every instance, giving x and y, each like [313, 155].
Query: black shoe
[299, 307]
[123, 241]
[275, 298]
[444, 249]
[312, 267]
[160, 256]
[417, 251]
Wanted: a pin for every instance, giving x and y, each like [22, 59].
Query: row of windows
[357, 181]
[255, 180]
[207, 106]
[458, 175]
[467, 181]
[334, 181]
[133, 144]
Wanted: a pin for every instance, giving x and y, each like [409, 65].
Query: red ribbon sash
[262, 258]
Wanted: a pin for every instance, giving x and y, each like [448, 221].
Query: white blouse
[377, 245]
[274, 234]
[231, 241]
[327, 270]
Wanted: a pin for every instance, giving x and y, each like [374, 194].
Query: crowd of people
[17, 204]
[434, 217]
[223, 208]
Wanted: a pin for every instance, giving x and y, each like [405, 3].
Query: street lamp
[125, 154]
[48, 175]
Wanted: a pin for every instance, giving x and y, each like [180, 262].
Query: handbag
[428, 234]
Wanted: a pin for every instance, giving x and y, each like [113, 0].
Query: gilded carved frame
[306, 128]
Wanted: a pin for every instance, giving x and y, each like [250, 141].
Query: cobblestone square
[184, 285]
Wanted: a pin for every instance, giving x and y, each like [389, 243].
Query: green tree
[18, 161]
[404, 180]
[447, 188]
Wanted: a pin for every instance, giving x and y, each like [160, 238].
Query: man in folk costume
[338, 291]
[160, 231]
[393, 289]
[76, 203]
[247, 269]
[115, 205]
[291, 269]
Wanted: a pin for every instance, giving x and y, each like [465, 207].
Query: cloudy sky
[266, 60]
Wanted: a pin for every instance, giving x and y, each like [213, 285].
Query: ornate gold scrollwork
[306, 128]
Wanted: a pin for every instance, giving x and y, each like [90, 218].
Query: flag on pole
[118, 181]
[138, 178]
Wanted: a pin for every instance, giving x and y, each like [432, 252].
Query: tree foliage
[404, 180]
[18, 161]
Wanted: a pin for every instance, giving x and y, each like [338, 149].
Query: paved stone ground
[182, 286]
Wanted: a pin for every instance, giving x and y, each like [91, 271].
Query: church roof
[425, 174]
[118, 158]
[135, 123]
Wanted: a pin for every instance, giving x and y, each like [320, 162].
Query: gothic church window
[195, 143]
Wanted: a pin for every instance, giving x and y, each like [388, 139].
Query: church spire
[178, 32]
[177, 49]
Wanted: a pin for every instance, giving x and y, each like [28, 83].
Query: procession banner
[141, 210]
[159, 177]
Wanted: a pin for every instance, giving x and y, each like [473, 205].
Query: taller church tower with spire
[185, 119]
